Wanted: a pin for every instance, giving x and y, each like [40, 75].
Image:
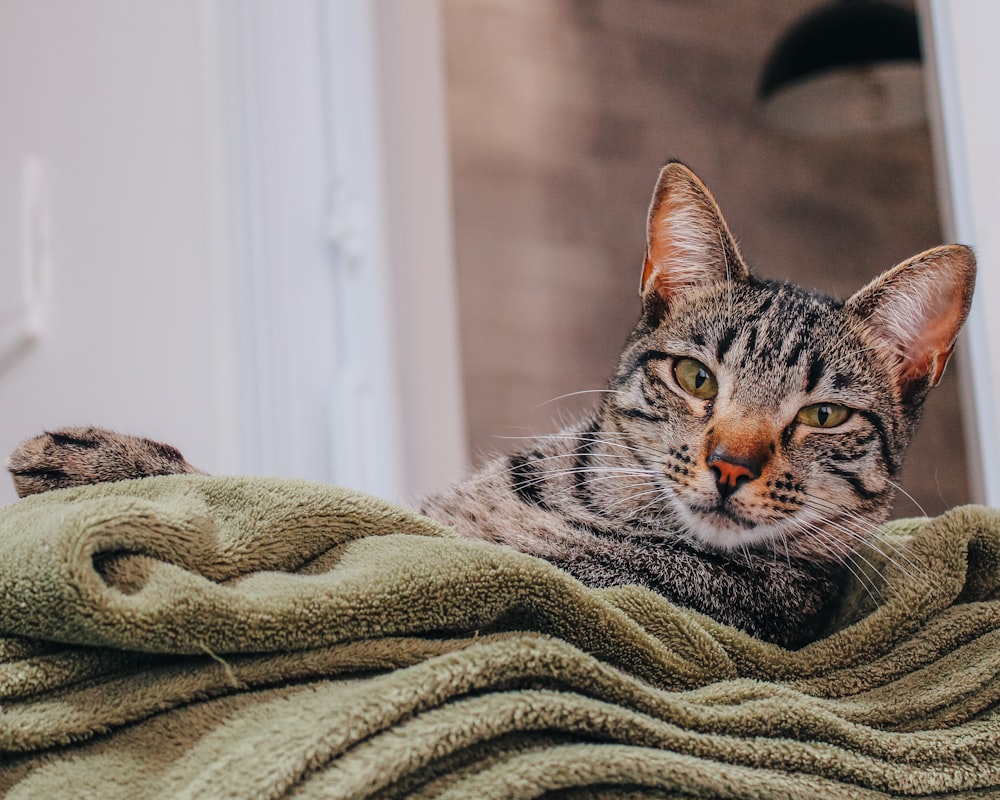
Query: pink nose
[732, 471]
[730, 474]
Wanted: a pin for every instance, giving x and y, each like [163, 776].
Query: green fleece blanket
[224, 637]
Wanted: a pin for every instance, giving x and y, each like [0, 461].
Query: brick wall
[560, 115]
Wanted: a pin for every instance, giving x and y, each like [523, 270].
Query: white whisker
[574, 394]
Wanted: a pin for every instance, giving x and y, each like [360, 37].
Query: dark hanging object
[865, 53]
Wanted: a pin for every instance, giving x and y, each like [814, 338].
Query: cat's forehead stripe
[751, 345]
[725, 342]
[815, 373]
[795, 353]
[644, 358]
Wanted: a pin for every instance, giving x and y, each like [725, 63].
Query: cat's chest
[487, 508]
[776, 598]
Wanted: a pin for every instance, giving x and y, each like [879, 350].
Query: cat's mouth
[723, 512]
[721, 526]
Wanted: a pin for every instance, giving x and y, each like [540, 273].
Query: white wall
[190, 166]
[109, 97]
[964, 63]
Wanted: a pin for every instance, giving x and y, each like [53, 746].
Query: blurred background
[370, 241]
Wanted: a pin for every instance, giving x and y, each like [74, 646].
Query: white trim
[253, 177]
[364, 410]
[336, 196]
[419, 204]
[965, 125]
[22, 317]
[315, 377]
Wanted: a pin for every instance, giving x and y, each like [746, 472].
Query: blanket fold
[248, 637]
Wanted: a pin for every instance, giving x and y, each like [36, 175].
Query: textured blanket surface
[235, 637]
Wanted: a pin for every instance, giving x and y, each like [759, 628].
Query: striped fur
[628, 495]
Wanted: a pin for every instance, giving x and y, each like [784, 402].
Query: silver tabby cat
[748, 442]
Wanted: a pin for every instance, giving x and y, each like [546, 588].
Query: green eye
[823, 415]
[695, 379]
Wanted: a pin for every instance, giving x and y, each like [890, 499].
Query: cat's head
[766, 413]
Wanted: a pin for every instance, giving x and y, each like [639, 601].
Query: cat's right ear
[688, 244]
[916, 310]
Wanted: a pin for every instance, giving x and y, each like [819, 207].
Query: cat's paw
[80, 456]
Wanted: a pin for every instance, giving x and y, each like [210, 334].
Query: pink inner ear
[919, 307]
[670, 265]
[647, 273]
[687, 239]
[662, 255]
[928, 351]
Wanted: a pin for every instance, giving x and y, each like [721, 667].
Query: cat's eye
[695, 378]
[823, 415]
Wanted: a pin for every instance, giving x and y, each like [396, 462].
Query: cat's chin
[724, 529]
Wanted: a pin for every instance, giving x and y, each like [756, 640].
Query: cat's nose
[732, 471]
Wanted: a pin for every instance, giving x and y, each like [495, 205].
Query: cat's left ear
[688, 244]
[917, 308]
